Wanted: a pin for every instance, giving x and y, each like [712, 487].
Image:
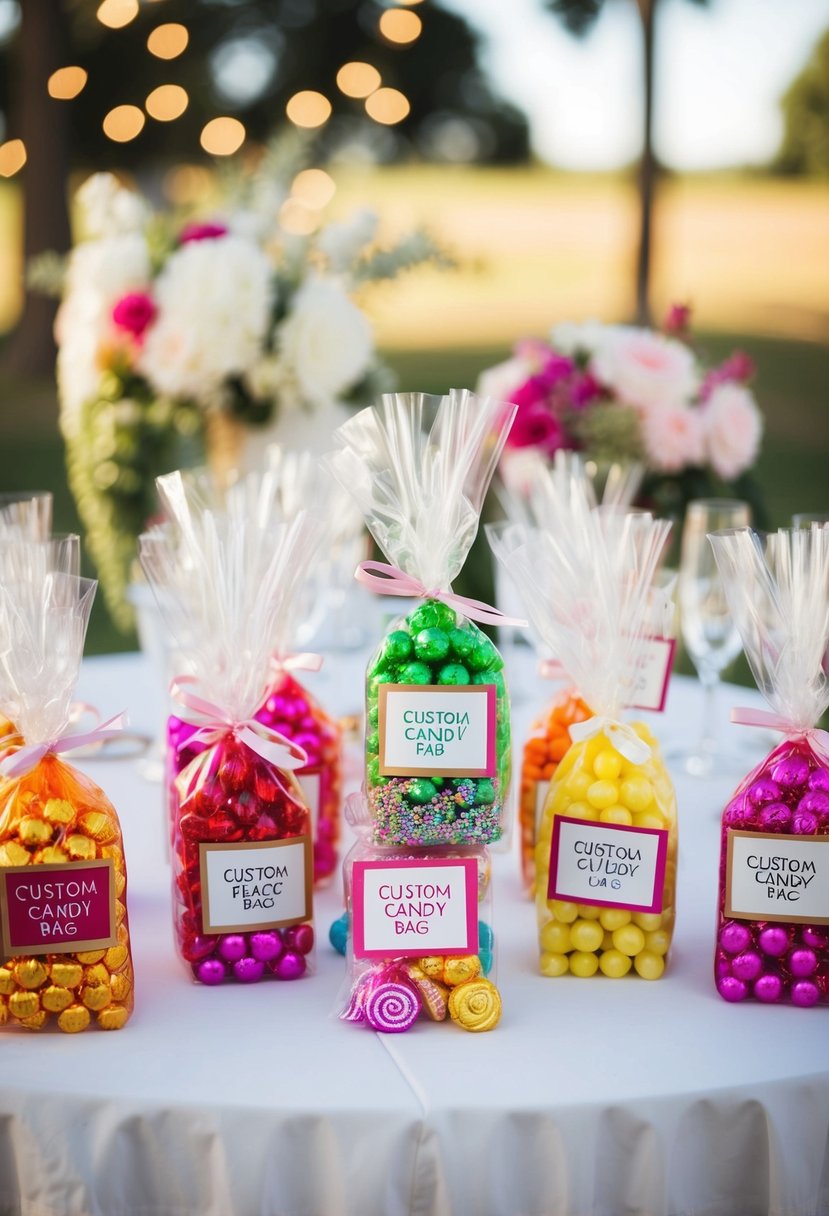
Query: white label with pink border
[406, 909]
[653, 673]
[607, 864]
[778, 877]
[437, 731]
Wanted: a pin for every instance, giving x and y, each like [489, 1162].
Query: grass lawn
[792, 383]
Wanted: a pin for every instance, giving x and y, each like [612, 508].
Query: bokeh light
[296, 218]
[66, 83]
[168, 41]
[222, 136]
[358, 79]
[117, 13]
[167, 102]
[314, 188]
[308, 109]
[399, 25]
[387, 106]
[123, 123]
[12, 157]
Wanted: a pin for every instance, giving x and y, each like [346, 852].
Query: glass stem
[708, 738]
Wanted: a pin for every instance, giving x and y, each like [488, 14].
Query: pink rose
[531, 392]
[536, 427]
[583, 390]
[134, 313]
[733, 428]
[645, 369]
[673, 437]
[201, 232]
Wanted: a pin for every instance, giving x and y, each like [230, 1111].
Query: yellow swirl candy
[475, 1005]
[459, 970]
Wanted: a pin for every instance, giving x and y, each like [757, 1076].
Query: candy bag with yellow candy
[606, 853]
[64, 933]
[420, 943]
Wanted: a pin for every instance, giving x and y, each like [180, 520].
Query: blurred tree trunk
[647, 166]
[42, 124]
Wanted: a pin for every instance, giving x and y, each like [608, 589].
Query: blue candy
[338, 933]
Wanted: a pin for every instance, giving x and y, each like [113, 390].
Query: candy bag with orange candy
[64, 934]
[547, 745]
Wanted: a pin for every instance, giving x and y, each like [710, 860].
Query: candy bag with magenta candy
[606, 853]
[438, 748]
[242, 850]
[287, 707]
[66, 960]
[773, 918]
[420, 941]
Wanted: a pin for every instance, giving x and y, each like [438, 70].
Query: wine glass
[710, 636]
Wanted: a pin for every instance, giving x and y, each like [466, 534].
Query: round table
[592, 1098]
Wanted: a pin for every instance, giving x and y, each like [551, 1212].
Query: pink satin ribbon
[305, 660]
[25, 758]
[744, 716]
[385, 579]
[214, 724]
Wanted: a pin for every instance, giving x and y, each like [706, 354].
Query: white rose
[326, 340]
[108, 209]
[214, 301]
[645, 369]
[585, 339]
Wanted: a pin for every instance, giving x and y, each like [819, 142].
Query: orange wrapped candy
[63, 916]
[546, 747]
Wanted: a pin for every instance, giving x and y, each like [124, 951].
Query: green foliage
[805, 146]
[125, 438]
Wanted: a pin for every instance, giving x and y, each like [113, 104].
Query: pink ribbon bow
[22, 761]
[386, 579]
[744, 716]
[214, 724]
[305, 660]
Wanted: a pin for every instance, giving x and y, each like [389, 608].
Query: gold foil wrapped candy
[475, 1005]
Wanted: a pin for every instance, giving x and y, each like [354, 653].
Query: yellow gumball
[586, 935]
[555, 938]
[629, 939]
[649, 819]
[588, 911]
[603, 794]
[582, 810]
[648, 920]
[614, 918]
[616, 814]
[614, 964]
[636, 793]
[554, 964]
[578, 783]
[608, 764]
[564, 912]
[649, 965]
[583, 964]
[658, 941]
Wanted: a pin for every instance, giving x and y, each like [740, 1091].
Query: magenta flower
[536, 427]
[201, 232]
[677, 323]
[531, 392]
[583, 390]
[134, 313]
[556, 369]
[738, 368]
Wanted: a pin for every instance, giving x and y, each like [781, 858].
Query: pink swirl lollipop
[392, 1007]
[355, 1009]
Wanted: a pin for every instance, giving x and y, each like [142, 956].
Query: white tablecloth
[592, 1098]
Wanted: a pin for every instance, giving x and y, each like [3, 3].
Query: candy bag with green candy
[438, 748]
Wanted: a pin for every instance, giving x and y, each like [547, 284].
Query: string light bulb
[358, 79]
[167, 102]
[12, 157]
[388, 106]
[222, 136]
[66, 83]
[308, 109]
[400, 26]
[123, 123]
[115, 14]
[168, 41]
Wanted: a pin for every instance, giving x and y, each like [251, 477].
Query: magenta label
[609, 864]
[58, 909]
[407, 909]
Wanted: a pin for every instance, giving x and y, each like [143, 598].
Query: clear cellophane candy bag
[27, 517]
[242, 847]
[438, 746]
[607, 841]
[66, 961]
[287, 706]
[546, 746]
[773, 915]
[420, 940]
